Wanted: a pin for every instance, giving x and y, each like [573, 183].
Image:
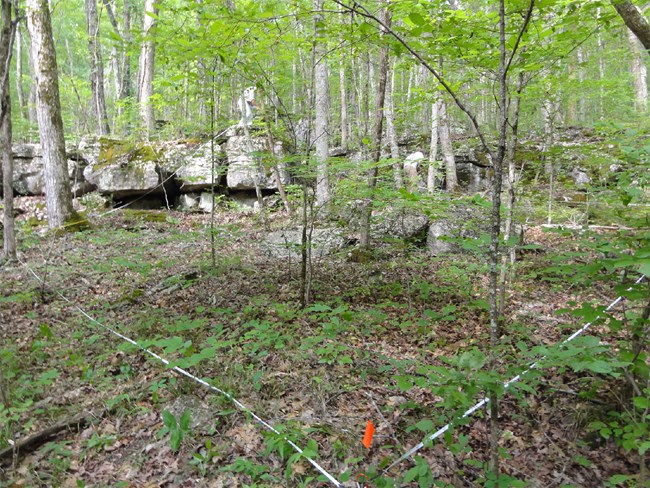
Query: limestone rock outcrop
[28, 171]
[248, 160]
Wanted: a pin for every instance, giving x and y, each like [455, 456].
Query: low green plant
[256, 472]
[177, 429]
[202, 459]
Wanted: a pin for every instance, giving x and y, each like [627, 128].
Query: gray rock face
[125, 178]
[28, 171]
[125, 169]
[188, 202]
[401, 223]
[193, 165]
[287, 243]
[89, 148]
[580, 177]
[461, 222]
[78, 183]
[201, 416]
[244, 168]
[28, 175]
[26, 151]
[471, 176]
[392, 222]
[206, 202]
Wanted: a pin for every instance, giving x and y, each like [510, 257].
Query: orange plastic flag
[367, 437]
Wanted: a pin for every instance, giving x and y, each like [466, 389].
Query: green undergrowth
[403, 333]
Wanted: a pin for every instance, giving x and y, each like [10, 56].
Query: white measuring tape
[506, 385]
[189, 375]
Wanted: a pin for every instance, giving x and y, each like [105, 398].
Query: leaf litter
[318, 375]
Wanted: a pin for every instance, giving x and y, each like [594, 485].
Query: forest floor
[375, 343]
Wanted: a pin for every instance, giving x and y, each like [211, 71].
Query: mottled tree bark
[344, 104]
[9, 233]
[511, 199]
[7, 36]
[378, 124]
[146, 70]
[322, 106]
[58, 196]
[447, 149]
[634, 20]
[432, 170]
[20, 90]
[392, 134]
[640, 75]
[96, 68]
[495, 232]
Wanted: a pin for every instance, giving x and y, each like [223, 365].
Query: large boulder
[398, 222]
[287, 243]
[461, 222]
[471, 176]
[28, 171]
[391, 221]
[580, 177]
[126, 169]
[193, 164]
[246, 162]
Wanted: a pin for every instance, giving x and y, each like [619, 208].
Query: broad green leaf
[424, 425]
[417, 19]
[185, 421]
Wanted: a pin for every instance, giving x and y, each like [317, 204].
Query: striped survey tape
[506, 385]
[187, 374]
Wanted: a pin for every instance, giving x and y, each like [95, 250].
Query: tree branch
[362, 11]
[634, 20]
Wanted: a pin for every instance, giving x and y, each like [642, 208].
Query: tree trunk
[344, 105]
[364, 239]
[391, 133]
[640, 74]
[146, 69]
[31, 97]
[7, 36]
[495, 223]
[58, 197]
[510, 202]
[96, 68]
[121, 59]
[582, 112]
[356, 134]
[601, 71]
[20, 90]
[127, 85]
[9, 252]
[432, 172]
[321, 122]
[634, 20]
[448, 158]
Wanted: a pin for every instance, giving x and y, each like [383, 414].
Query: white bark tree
[322, 106]
[392, 133]
[7, 36]
[121, 60]
[345, 128]
[96, 68]
[444, 133]
[58, 196]
[377, 131]
[432, 170]
[146, 68]
[20, 90]
[634, 20]
[639, 74]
